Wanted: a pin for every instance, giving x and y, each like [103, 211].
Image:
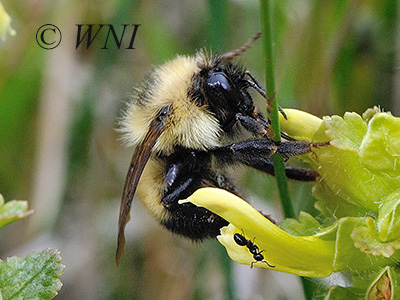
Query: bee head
[222, 87]
[203, 94]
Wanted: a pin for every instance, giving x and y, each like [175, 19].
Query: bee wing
[139, 159]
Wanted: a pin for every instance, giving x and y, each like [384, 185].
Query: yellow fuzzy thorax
[189, 125]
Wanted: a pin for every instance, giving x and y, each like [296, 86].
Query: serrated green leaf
[34, 277]
[367, 240]
[13, 210]
[345, 176]
[380, 150]
[348, 257]
[347, 179]
[332, 206]
[305, 225]
[388, 223]
[346, 133]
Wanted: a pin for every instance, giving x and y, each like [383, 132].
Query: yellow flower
[301, 255]
[299, 125]
[5, 21]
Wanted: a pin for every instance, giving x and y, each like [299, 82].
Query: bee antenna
[235, 53]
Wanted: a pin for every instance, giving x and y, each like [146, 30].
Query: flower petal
[299, 124]
[304, 256]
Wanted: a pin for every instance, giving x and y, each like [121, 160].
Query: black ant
[241, 240]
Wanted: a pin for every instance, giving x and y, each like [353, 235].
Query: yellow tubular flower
[299, 125]
[304, 256]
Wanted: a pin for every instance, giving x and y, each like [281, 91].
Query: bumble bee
[190, 120]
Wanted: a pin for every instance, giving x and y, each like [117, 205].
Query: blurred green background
[60, 151]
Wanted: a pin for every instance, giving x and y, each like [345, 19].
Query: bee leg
[259, 151]
[258, 154]
[172, 173]
[187, 219]
[300, 174]
[257, 125]
[292, 148]
[181, 188]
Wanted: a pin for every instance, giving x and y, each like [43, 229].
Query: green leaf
[348, 255]
[305, 225]
[340, 293]
[346, 166]
[345, 179]
[34, 277]
[367, 240]
[380, 150]
[388, 223]
[332, 205]
[12, 211]
[346, 133]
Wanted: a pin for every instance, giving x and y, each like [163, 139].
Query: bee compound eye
[163, 113]
[218, 80]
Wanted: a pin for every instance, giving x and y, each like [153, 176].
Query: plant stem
[272, 109]
[268, 51]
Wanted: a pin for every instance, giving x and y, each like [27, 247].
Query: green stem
[268, 51]
[269, 61]
[286, 201]
[275, 131]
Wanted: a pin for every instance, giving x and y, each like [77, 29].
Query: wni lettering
[89, 32]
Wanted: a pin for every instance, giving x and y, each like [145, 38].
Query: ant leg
[269, 265]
